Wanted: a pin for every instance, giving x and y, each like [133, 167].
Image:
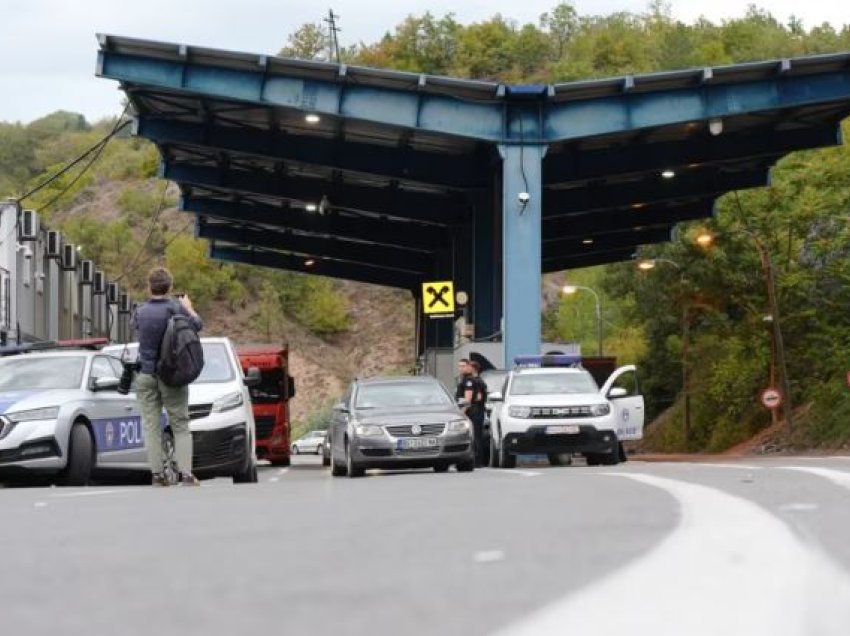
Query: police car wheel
[80, 457]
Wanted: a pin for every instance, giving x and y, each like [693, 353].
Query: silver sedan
[398, 423]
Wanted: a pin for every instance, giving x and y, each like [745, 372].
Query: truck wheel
[281, 462]
[80, 457]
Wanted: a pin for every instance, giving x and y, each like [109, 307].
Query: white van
[222, 421]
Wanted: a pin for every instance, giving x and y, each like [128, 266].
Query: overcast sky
[49, 49]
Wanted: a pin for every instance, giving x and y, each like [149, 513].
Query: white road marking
[729, 567]
[489, 556]
[835, 476]
[282, 471]
[87, 493]
[738, 466]
[799, 507]
[40, 504]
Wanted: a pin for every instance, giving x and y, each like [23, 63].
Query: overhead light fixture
[312, 118]
[705, 239]
[311, 207]
[309, 262]
[638, 206]
[569, 289]
[587, 242]
[324, 205]
[668, 174]
[715, 126]
[646, 264]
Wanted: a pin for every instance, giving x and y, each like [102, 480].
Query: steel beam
[403, 234]
[521, 248]
[392, 202]
[330, 268]
[596, 223]
[457, 171]
[589, 259]
[486, 120]
[555, 250]
[652, 189]
[378, 255]
[627, 157]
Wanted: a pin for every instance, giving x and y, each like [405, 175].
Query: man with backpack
[166, 365]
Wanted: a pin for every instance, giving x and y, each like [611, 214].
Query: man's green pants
[152, 396]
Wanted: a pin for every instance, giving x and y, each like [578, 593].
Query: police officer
[477, 411]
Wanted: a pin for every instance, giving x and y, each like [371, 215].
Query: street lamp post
[705, 240]
[648, 264]
[572, 289]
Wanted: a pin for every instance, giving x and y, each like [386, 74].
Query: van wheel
[80, 457]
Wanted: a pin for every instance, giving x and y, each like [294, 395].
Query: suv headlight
[600, 409]
[458, 426]
[519, 411]
[369, 430]
[46, 413]
[227, 402]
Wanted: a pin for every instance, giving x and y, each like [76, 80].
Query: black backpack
[181, 356]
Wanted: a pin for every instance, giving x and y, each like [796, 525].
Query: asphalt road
[747, 547]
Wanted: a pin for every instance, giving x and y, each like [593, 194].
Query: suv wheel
[494, 454]
[506, 459]
[337, 469]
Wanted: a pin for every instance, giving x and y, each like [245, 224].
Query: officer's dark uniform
[476, 411]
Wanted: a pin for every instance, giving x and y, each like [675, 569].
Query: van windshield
[217, 367]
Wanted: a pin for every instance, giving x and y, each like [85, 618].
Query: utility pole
[333, 40]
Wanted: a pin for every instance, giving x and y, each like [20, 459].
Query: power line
[144, 244]
[96, 148]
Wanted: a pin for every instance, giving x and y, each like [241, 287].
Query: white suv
[222, 421]
[556, 410]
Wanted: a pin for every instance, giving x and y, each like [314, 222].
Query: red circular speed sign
[771, 398]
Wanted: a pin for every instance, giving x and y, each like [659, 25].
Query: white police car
[553, 406]
[62, 416]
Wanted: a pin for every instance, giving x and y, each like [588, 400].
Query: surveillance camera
[27, 252]
[524, 198]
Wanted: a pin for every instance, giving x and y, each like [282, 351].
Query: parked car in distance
[397, 423]
[310, 443]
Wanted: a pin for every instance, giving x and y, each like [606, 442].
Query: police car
[61, 415]
[552, 406]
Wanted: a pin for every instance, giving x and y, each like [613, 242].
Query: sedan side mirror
[617, 392]
[340, 406]
[253, 377]
[108, 383]
[495, 396]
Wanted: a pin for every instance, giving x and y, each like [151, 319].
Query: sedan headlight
[46, 413]
[600, 409]
[458, 426]
[228, 402]
[369, 430]
[520, 411]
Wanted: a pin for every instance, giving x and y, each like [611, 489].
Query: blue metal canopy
[395, 178]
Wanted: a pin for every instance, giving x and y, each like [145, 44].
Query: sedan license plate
[569, 429]
[418, 443]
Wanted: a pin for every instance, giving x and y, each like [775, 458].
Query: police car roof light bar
[558, 360]
[53, 345]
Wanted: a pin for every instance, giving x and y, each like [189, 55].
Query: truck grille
[406, 430]
[198, 411]
[555, 412]
[265, 426]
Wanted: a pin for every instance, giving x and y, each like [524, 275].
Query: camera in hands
[126, 379]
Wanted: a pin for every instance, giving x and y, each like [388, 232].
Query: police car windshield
[401, 395]
[30, 373]
[552, 383]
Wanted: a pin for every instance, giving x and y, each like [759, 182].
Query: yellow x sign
[439, 297]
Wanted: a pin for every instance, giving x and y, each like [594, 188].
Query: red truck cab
[270, 399]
